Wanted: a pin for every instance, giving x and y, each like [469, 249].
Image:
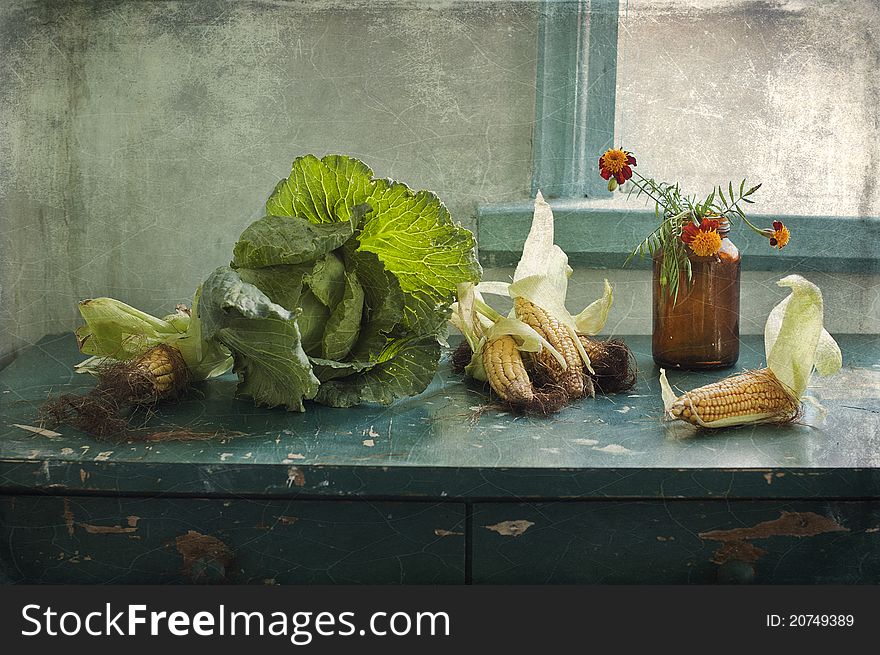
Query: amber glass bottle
[701, 329]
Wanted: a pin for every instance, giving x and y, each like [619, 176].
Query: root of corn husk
[613, 362]
[461, 357]
[123, 388]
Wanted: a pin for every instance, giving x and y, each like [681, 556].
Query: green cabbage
[341, 292]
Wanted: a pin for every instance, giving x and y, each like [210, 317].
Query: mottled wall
[786, 92]
[138, 139]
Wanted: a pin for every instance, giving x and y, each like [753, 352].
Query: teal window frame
[574, 121]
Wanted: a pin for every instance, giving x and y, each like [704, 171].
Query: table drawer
[675, 542]
[85, 539]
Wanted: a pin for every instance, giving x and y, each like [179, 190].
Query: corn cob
[572, 378]
[162, 363]
[506, 372]
[744, 398]
[158, 373]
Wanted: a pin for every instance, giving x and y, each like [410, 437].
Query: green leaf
[383, 304]
[283, 284]
[313, 316]
[406, 368]
[263, 337]
[277, 240]
[327, 280]
[344, 324]
[322, 190]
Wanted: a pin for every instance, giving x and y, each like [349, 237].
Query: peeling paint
[106, 529]
[287, 520]
[614, 449]
[68, 517]
[295, 477]
[440, 532]
[510, 528]
[789, 524]
[194, 546]
[738, 550]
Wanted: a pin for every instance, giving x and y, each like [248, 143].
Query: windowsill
[601, 234]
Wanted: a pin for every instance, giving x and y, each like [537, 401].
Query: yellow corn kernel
[570, 378]
[506, 372]
[164, 366]
[753, 393]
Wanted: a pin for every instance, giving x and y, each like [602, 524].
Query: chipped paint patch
[369, 443]
[194, 546]
[738, 550]
[585, 442]
[295, 477]
[614, 449]
[789, 524]
[107, 529]
[83, 476]
[287, 520]
[440, 532]
[510, 528]
[68, 517]
[225, 456]
[104, 456]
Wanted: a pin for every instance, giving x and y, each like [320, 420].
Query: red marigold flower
[704, 239]
[616, 162]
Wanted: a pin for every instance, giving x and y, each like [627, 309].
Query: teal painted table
[443, 488]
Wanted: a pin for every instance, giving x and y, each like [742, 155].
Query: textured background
[138, 139]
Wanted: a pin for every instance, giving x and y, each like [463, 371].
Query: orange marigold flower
[704, 239]
[616, 162]
[778, 236]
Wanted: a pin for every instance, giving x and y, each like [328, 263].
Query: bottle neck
[724, 228]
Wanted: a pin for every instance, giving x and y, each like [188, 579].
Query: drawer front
[54, 539]
[677, 542]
